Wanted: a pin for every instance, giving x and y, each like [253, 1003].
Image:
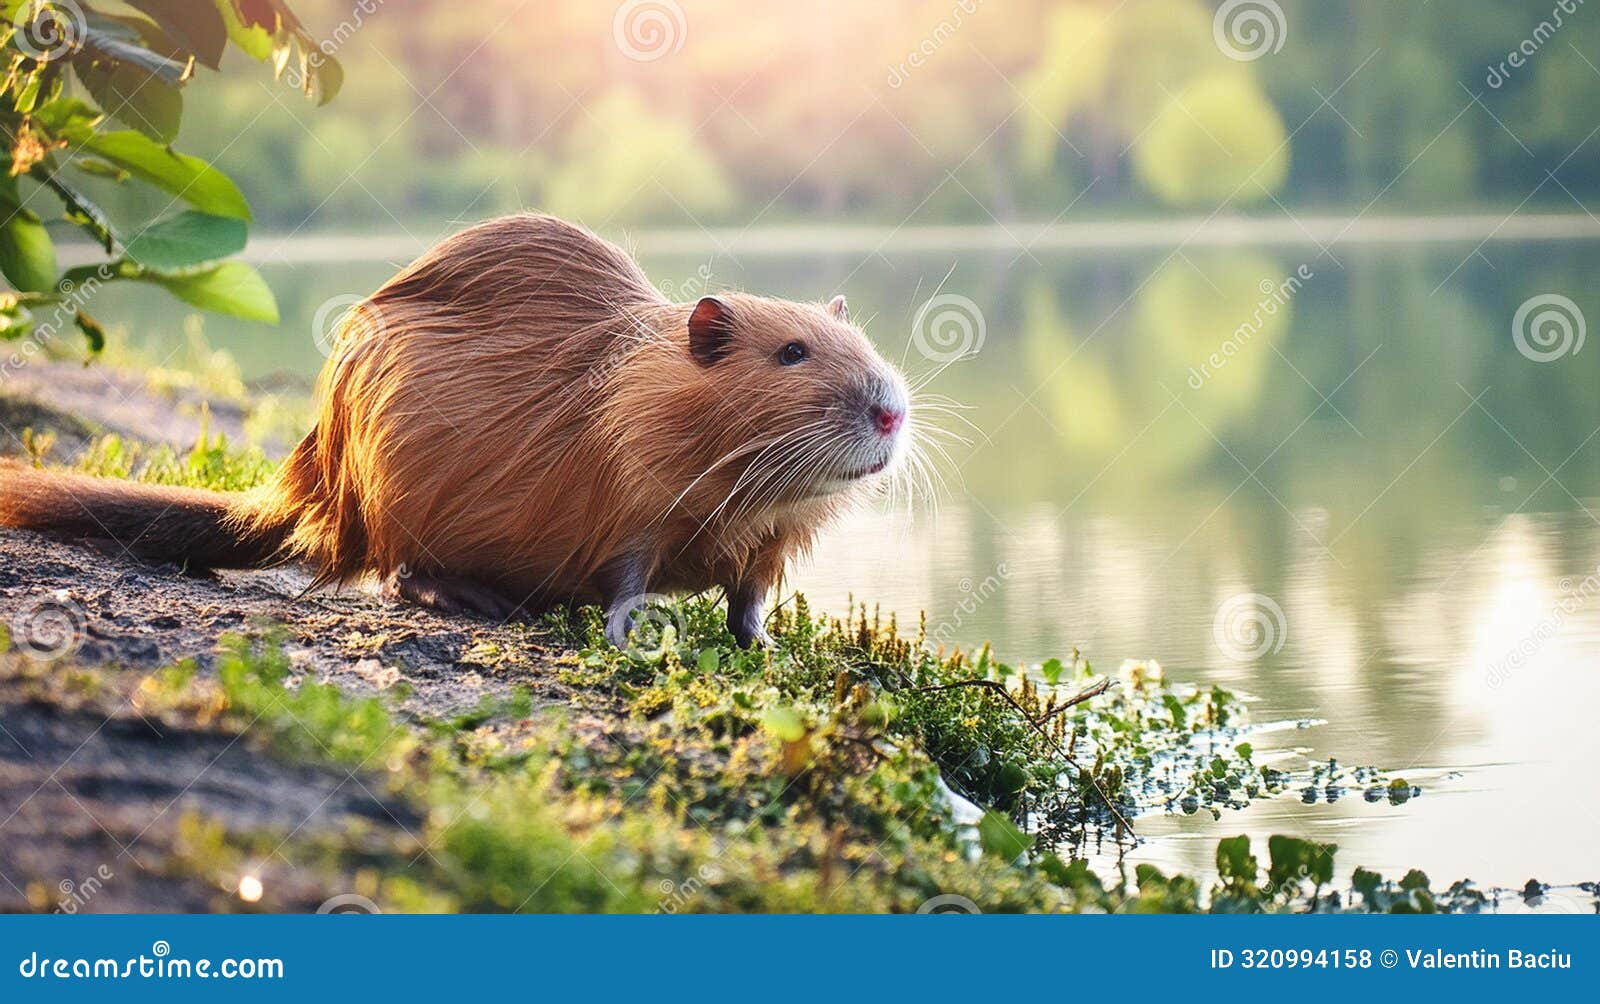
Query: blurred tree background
[749, 112]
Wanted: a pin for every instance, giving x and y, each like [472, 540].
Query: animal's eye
[792, 353]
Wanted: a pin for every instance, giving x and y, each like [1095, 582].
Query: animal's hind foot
[452, 596]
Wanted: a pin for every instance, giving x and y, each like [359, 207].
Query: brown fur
[520, 408]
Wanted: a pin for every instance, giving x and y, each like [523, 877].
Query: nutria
[520, 418]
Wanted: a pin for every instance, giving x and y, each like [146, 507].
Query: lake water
[1376, 512]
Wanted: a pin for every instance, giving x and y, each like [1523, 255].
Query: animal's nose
[886, 419]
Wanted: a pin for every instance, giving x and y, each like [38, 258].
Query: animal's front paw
[753, 637]
[619, 625]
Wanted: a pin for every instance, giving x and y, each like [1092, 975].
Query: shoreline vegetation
[223, 745]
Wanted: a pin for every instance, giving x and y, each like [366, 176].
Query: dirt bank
[90, 786]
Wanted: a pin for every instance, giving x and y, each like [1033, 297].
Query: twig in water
[1078, 698]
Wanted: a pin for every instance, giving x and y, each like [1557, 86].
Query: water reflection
[1149, 440]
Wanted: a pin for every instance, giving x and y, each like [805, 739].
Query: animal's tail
[199, 529]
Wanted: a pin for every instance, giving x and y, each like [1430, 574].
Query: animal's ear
[710, 330]
[838, 308]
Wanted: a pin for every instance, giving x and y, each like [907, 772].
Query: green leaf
[28, 94]
[133, 95]
[189, 239]
[255, 40]
[15, 319]
[1175, 708]
[785, 723]
[232, 288]
[1366, 883]
[1287, 859]
[999, 836]
[137, 29]
[101, 169]
[709, 660]
[189, 178]
[196, 26]
[1234, 859]
[70, 119]
[27, 255]
[92, 331]
[79, 209]
[1009, 778]
[328, 75]
[111, 40]
[1321, 862]
[106, 271]
[1052, 670]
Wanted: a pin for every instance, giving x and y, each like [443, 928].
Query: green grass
[210, 463]
[798, 780]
